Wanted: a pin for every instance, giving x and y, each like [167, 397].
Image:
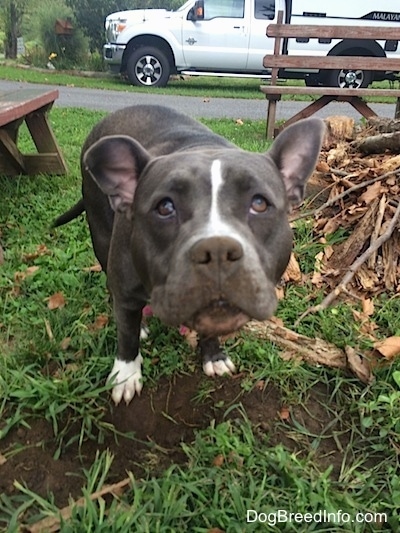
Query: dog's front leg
[126, 373]
[215, 362]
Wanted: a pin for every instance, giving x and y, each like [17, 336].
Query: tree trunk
[12, 33]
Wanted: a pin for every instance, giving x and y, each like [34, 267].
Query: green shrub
[95, 62]
[63, 51]
[35, 54]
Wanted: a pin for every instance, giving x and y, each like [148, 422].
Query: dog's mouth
[219, 318]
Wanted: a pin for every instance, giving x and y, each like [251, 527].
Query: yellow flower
[52, 56]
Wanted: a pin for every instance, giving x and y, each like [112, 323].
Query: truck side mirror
[197, 11]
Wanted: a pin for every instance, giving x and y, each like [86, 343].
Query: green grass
[201, 86]
[54, 363]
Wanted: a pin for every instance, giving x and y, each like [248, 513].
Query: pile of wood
[356, 188]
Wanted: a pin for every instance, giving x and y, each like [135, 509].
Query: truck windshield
[185, 5]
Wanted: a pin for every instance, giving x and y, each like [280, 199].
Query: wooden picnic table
[325, 94]
[31, 106]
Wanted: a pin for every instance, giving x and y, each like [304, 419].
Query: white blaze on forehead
[216, 186]
[216, 225]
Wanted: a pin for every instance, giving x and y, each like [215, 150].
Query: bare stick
[377, 229]
[53, 523]
[338, 197]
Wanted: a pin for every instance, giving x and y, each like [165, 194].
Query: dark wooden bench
[31, 106]
[355, 97]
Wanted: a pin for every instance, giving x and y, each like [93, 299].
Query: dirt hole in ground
[162, 418]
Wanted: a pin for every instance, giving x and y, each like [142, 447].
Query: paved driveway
[192, 105]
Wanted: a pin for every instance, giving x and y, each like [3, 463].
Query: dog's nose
[216, 251]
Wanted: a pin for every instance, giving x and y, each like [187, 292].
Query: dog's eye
[165, 208]
[258, 204]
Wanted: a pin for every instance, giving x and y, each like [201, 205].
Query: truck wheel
[349, 79]
[148, 67]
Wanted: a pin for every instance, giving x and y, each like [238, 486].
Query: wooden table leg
[397, 111]
[308, 111]
[49, 158]
[271, 114]
[359, 104]
[11, 160]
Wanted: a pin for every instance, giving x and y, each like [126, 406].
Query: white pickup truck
[227, 38]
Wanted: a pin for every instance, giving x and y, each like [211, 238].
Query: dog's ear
[115, 163]
[295, 152]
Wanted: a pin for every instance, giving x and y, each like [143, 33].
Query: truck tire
[148, 67]
[349, 79]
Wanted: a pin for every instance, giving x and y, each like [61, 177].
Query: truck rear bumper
[112, 54]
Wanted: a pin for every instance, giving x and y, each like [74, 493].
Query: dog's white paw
[219, 367]
[127, 379]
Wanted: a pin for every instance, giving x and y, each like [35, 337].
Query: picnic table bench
[354, 96]
[31, 106]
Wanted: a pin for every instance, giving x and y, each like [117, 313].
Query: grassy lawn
[188, 86]
[203, 86]
[191, 454]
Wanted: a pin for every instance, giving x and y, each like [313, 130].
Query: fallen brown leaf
[359, 366]
[56, 301]
[368, 306]
[292, 272]
[100, 322]
[371, 193]
[20, 276]
[64, 344]
[284, 413]
[322, 166]
[392, 163]
[389, 347]
[218, 460]
[260, 385]
[40, 251]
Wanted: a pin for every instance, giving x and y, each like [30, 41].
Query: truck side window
[264, 9]
[223, 8]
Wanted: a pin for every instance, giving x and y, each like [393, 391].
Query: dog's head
[209, 231]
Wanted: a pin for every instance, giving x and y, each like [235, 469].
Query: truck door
[220, 41]
[264, 12]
